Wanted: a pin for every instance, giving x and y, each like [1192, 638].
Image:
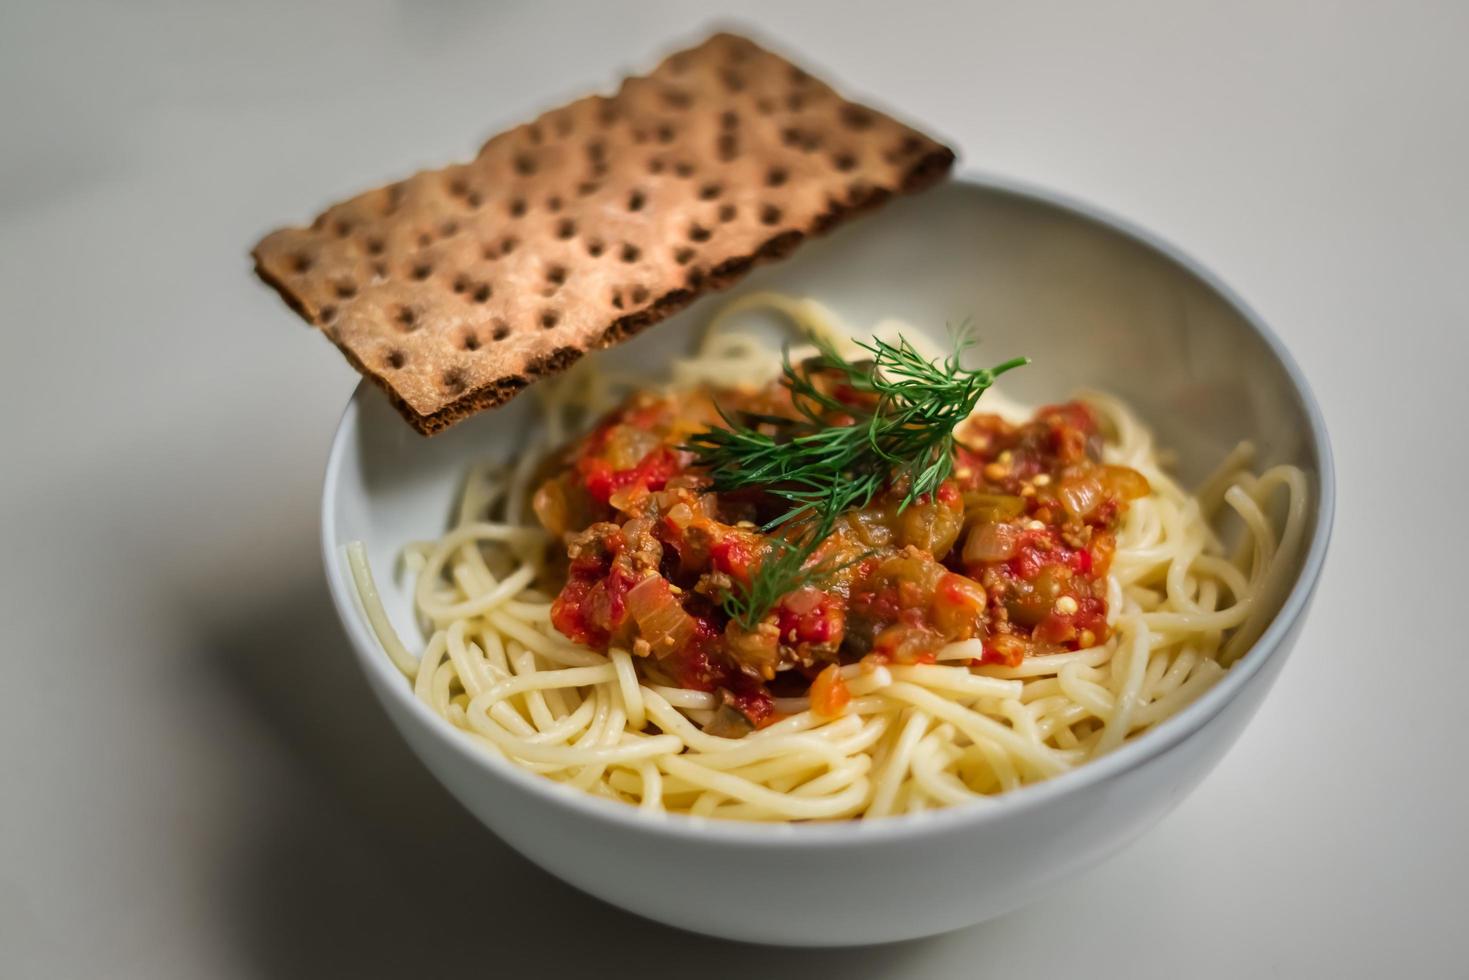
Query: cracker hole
[726, 213]
[481, 293]
[422, 271]
[684, 255]
[765, 106]
[345, 289]
[655, 166]
[797, 76]
[406, 319]
[729, 119]
[461, 284]
[776, 176]
[639, 295]
[453, 380]
[469, 340]
[617, 299]
[599, 168]
[425, 239]
[677, 98]
[728, 147]
[565, 229]
[630, 252]
[375, 246]
[856, 117]
[395, 360]
[595, 248]
[448, 228]
[795, 102]
[683, 168]
[845, 162]
[549, 319]
[343, 229]
[596, 150]
[474, 199]
[458, 187]
[553, 203]
[769, 215]
[508, 245]
[698, 233]
[796, 137]
[587, 187]
[300, 263]
[636, 200]
[665, 133]
[501, 331]
[525, 164]
[709, 192]
[536, 136]
[733, 80]
[517, 207]
[640, 136]
[328, 313]
[607, 114]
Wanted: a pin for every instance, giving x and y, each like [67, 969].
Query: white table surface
[195, 780]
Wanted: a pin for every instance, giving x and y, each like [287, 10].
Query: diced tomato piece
[1081, 561]
[651, 473]
[829, 694]
[810, 616]
[1004, 650]
[569, 614]
[1056, 629]
[734, 555]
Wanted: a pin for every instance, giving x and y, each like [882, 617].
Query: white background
[195, 780]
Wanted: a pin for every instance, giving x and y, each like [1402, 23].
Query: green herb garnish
[782, 571]
[823, 470]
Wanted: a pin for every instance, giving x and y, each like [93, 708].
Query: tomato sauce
[1012, 551]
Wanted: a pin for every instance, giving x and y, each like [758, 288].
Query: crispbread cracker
[456, 288]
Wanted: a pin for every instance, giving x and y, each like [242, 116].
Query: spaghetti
[910, 736]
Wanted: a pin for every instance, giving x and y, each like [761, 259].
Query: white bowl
[1094, 303]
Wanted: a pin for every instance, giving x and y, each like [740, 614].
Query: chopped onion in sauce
[991, 541]
[1080, 495]
[661, 620]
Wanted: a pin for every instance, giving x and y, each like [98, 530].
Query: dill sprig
[786, 568]
[783, 570]
[823, 470]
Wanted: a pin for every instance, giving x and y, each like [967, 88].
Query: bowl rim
[1131, 755]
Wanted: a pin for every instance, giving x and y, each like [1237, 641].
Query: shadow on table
[365, 867]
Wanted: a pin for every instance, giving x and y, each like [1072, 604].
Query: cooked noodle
[913, 737]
